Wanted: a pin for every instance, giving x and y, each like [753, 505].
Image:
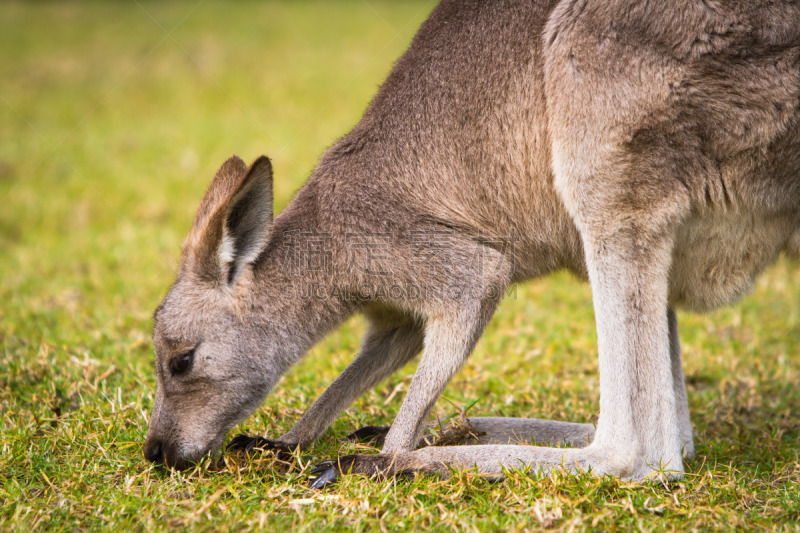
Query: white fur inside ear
[227, 248]
[247, 221]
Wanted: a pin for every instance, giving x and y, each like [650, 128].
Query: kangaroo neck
[296, 280]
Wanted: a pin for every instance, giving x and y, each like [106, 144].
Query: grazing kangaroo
[651, 147]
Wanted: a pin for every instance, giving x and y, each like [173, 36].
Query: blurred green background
[114, 116]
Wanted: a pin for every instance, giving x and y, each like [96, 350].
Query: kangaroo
[652, 148]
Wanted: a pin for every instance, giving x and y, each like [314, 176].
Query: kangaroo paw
[369, 435]
[248, 444]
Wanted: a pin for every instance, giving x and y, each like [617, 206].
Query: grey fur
[651, 147]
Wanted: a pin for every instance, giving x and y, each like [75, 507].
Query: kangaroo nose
[153, 452]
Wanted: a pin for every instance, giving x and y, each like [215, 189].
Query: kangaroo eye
[181, 362]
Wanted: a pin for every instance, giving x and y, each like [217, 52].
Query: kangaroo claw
[326, 473]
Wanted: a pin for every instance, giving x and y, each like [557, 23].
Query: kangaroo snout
[153, 451]
[156, 451]
[175, 451]
[159, 452]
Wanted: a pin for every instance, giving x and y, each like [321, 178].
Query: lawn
[114, 117]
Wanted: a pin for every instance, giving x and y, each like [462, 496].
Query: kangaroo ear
[233, 222]
[248, 219]
[228, 178]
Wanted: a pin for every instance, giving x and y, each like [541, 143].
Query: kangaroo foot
[248, 444]
[377, 465]
[492, 460]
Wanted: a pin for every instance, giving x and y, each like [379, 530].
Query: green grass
[114, 117]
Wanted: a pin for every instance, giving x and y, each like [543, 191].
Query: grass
[113, 118]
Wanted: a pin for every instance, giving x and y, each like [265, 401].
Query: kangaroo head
[214, 362]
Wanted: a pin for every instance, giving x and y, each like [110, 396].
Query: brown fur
[651, 147]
